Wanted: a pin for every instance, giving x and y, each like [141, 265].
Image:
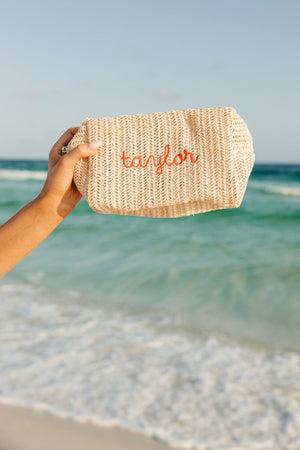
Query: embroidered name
[177, 160]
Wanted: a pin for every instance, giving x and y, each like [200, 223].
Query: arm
[58, 197]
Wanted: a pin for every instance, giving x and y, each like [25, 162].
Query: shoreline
[23, 428]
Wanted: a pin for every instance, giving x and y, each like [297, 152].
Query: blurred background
[183, 329]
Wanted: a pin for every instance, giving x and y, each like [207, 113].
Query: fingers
[63, 140]
[81, 151]
[66, 137]
[55, 152]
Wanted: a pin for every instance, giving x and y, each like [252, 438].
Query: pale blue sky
[63, 61]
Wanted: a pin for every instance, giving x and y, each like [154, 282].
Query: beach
[25, 429]
[182, 332]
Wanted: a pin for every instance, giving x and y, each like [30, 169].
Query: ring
[64, 151]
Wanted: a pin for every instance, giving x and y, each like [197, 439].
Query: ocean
[184, 329]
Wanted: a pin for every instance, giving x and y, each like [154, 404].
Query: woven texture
[165, 164]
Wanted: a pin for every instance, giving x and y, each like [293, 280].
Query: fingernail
[94, 144]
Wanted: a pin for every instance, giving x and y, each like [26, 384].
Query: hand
[59, 191]
[38, 218]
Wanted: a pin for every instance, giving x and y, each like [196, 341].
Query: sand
[26, 429]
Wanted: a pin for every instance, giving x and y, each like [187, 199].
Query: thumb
[82, 151]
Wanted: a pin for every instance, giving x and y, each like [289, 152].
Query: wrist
[50, 207]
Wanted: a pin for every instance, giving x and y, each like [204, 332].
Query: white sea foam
[22, 174]
[284, 190]
[276, 188]
[103, 367]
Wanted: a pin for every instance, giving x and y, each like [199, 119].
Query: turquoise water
[141, 320]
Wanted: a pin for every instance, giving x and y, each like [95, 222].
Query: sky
[63, 61]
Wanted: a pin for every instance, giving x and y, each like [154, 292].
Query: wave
[22, 174]
[284, 190]
[121, 370]
[291, 191]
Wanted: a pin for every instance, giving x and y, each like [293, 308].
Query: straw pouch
[165, 164]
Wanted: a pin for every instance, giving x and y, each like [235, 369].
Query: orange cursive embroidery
[177, 160]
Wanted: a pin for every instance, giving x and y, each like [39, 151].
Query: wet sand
[25, 429]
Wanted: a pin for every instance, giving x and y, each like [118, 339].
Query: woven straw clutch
[165, 164]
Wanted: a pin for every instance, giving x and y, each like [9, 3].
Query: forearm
[25, 231]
